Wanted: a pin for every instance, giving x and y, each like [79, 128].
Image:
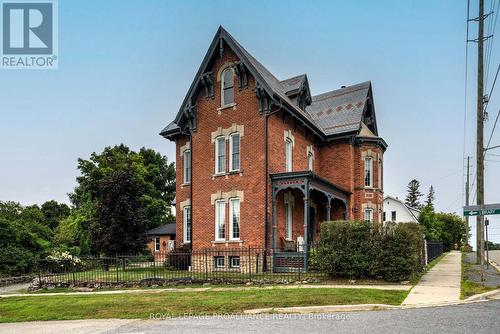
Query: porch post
[274, 222]
[306, 213]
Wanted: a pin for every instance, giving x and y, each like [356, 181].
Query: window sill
[214, 242]
[227, 106]
[185, 184]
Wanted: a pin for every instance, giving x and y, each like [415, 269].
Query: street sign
[485, 210]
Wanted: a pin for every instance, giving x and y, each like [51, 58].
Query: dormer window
[227, 86]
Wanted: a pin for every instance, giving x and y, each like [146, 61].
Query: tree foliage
[431, 196]
[108, 209]
[413, 196]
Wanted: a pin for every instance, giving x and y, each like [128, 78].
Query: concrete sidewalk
[441, 284]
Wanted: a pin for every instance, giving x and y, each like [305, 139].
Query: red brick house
[261, 162]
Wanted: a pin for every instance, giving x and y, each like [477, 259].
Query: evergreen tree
[430, 198]
[414, 194]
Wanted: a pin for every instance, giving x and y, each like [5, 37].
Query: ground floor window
[219, 261]
[187, 224]
[288, 220]
[234, 261]
[157, 244]
[369, 215]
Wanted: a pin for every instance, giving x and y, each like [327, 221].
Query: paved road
[441, 284]
[474, 318]
[495, 256]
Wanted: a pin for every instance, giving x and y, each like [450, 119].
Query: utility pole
[479, 138]
[467, 187]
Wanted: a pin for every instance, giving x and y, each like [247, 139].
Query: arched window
[227, 85]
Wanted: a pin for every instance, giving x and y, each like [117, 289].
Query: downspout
[191, 186]
[266, 174]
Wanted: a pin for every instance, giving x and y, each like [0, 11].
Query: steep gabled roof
[337, 112]
[412, 211]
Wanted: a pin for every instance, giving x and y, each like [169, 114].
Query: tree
[54, 212]
[414, 194]
[146, 170]
[430, 198]
[120, 220]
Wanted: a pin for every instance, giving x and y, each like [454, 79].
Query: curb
[495, 265]
[483, 297]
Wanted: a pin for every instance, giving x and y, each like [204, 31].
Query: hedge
[365, 250]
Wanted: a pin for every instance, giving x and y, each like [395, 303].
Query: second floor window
[187, 166]
[220, 155]
[234, 152]
[227, 82]
[310, 161]
[380, 174]
[369, 172]
[288, 155]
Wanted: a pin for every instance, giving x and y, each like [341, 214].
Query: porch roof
[306, 180]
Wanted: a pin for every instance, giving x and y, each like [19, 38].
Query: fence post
[154, 267]
[40, 284]
[72, 272]
[206, 264]
[117, 269]
[249, 264]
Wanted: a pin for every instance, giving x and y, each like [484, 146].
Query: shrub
[362, 249]
[180, 258]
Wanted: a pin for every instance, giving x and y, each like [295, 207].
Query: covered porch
[301, 201]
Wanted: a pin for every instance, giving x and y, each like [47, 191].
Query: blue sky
[125, 66]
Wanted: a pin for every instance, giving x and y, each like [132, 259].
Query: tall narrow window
[187, 166]
[288, 155]
[157, 244]
[288, 219]
[380, 174]
[220, 155]
[393, 216]
[369, 215]
[310, 161]
[220, 220]
[234, 214]
[187, 224]
[234, 152]
[227, 87]
[369, 172]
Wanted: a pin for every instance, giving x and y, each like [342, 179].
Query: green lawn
[469, 288]
[141, 305]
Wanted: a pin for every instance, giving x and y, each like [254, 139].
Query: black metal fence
[227, 265]
[434, 249]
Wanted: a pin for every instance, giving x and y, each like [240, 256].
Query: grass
[469, 288]
[142, 305]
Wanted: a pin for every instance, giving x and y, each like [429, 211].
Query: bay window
[369, 172]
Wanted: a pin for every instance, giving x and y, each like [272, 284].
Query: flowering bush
[59, 256]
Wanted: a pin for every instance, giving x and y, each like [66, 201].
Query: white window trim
[223, 171]
[288, 155]
[380, 174]
[231, 208]
[368, 159]
[186, 166]
[231, 258]
[217, 218]
[231, 167]
[223, 103]
[157, 249]
[370, 214]
[216, 260]
[310, 161]
[185, 235]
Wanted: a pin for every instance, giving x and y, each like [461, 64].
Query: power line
[491, 134]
